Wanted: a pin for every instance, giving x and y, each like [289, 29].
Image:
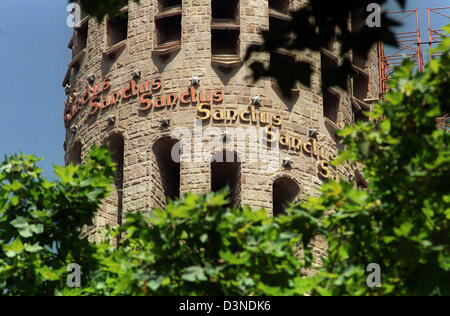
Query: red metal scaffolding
[410, 43]
[409, 46]
[435, 35]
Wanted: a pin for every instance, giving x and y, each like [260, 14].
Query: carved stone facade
[122, 67]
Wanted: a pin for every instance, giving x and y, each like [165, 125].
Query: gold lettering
[245, 116]
[219, 116]
[205, 109]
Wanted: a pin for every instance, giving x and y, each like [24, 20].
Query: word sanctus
[100, 97]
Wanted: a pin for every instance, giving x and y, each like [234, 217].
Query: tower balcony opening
[117, 29]
[168, 30]
[225, 10]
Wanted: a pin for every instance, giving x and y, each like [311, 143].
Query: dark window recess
[329, 32]
[75, 154]
[225, 42]
[359, 116]
[168, 29]
[327, 61]
[226, 171]
[116, 146]
[167, 4]
[285, 191]
[331, 99]
[278, 26]
[81, 37]
[360, 87]
[279, 5]
[117, 29]
[76, 67]
[358, 21]
[225, 9]
[169, 170]
[359, 61]
[331, 105]
[280, 60]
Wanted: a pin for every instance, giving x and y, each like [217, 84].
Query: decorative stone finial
[136, 74]
[67, 89]
[256, 100]
[313, 133]
[112, 119]
[165, 121]
[195, 81]
[287, 162]
[91, 78]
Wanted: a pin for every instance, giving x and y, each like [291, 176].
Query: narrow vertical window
[285, 191]
[75, 154]
[78, 45]
[117, 28]
[225, 34]
[357, 24]
[281, 60]
[168, 27]
[226, 171]
[80, 39]
[331, 98]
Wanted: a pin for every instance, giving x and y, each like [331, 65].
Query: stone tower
[167, 76]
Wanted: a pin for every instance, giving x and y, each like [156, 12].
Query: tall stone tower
[167, 76]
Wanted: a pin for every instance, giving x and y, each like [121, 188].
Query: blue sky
[33, 62]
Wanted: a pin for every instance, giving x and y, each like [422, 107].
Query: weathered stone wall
[142, 183]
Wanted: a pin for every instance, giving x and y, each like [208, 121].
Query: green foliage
[401, 222]
[198, 246]
[41, 221]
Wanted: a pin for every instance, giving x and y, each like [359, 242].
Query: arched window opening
[226, 171]
[169, 170]
[285, 191]
[75, 154]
